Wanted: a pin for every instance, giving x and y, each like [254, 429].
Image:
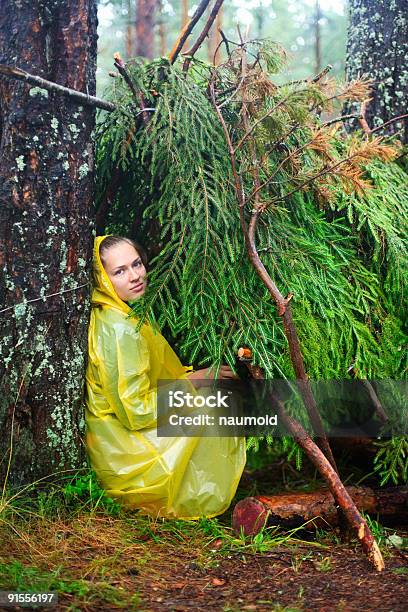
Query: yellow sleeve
[124, 371]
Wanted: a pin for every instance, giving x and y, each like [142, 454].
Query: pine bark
[46, 193]
[378, 49]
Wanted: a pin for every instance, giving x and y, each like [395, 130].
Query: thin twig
[315, 79]
[380, 127]
[321, 74]
[280, 165]
[337, 119]
[265, 116]
[362, 119]
[225, 41]
[121, 66]
[82, 98]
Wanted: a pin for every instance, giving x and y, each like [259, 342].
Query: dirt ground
[336, 580]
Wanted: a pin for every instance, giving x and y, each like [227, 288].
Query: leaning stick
[78, 96]
[190, 53]
[338, 490]
[186, 31]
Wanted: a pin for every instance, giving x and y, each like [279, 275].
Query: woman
[174, 477]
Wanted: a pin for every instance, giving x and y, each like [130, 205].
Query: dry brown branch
[365, 153]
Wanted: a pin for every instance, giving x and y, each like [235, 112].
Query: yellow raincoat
[180, 477]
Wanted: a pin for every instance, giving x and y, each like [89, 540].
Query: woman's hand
[205, 374]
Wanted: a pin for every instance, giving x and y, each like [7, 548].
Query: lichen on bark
[377, 48]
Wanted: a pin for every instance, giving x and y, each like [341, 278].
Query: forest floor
[97, 558]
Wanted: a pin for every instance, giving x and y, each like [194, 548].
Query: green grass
[16, 576]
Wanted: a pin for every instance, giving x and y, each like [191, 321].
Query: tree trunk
[46, 193]
[145, 21]
[129, 38]
[162, 30]
[378, 48]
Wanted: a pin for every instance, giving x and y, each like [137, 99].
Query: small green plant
[84, 491]
[18, 577]
[402, 571]
[297, 561]
[65, 495]
[379, 532]
[324, 565]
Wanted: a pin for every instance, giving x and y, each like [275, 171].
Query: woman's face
[126, 271]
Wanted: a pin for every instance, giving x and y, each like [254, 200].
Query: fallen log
[293, 509]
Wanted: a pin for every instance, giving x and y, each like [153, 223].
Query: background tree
[46, 191]
[289, 22]
[378, 48]
[130, 29]
[145, 22]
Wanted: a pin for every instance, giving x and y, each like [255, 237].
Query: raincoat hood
[103, 293]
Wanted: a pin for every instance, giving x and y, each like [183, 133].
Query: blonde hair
[112, 241]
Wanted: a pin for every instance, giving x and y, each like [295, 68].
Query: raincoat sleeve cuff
[187, 370]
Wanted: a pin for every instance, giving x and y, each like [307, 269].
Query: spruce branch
[282, 303]
[325, 171]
